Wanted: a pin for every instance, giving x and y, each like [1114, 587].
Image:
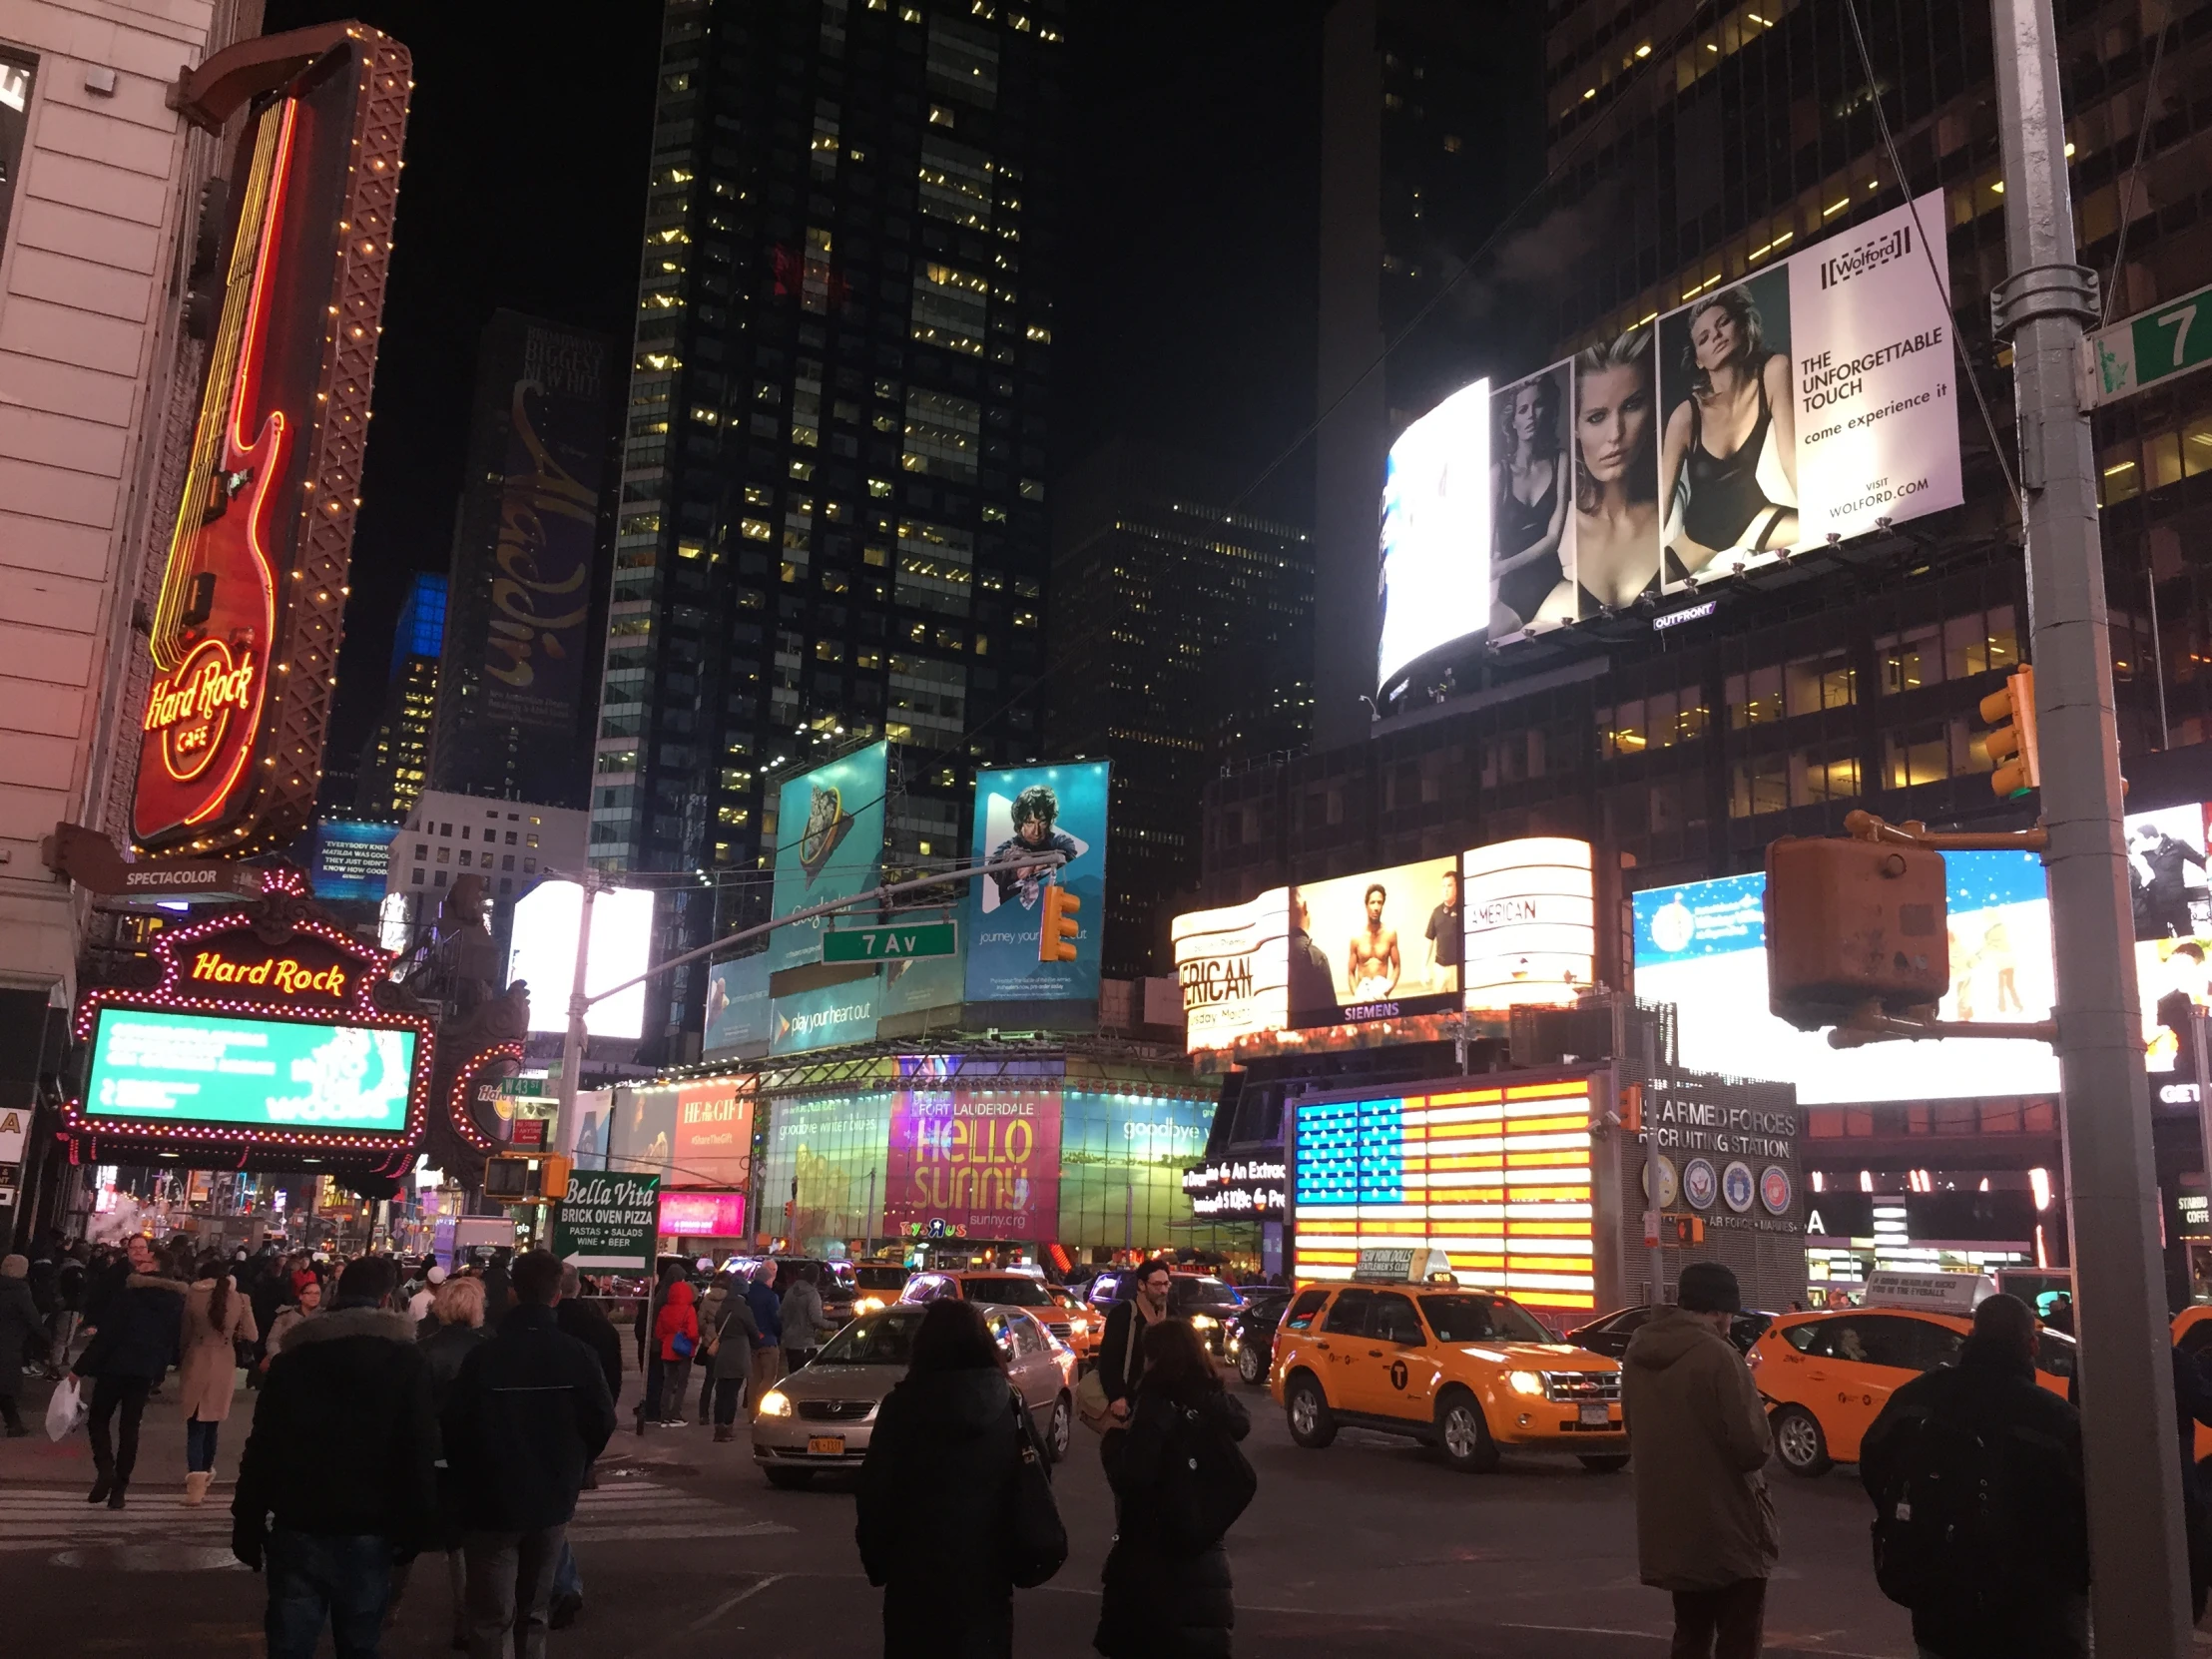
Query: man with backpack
[1982, 1526]
[1705, 1527]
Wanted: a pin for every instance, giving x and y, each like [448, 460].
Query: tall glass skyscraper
[831, 524]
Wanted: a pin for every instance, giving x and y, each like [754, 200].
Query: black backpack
[1941, 1532]
[1205, 1485]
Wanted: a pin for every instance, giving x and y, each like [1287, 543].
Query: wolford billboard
[1807, 402]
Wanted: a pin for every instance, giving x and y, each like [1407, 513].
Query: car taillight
[1754, 1357]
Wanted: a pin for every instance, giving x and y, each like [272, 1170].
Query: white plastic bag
[67, 1410]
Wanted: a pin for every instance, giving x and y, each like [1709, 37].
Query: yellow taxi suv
[1467, 1371]
[1825, 1377]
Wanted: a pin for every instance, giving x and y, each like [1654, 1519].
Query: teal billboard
[825, 1017]
[829, 846]
[737, 1007]
[1059, 808]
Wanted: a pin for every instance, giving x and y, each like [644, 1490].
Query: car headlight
[1236, 1342]
[1204, 1322]
[1520, 1382]
[775, 1403]
[868, 1305]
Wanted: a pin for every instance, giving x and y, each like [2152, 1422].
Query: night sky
[1187, 267]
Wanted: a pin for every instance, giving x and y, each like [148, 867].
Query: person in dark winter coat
[1706, 1531]
[338, 1482]
[1160, 1602]
[945, 1446]
[2028, 1597]
[528, 1413]
[22, 1335]
[456, 1321]
[579, 1318]
[768, 1346]
[141, 1325]
[727, 1333]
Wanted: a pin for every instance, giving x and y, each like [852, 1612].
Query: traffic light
[1850, 922]
[526, 1177]
[2011, 740]
[1056, 939]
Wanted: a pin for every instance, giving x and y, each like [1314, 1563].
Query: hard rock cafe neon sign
[191, 712]
[246, 630]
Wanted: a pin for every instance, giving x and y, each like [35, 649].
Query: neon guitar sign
[244, 632]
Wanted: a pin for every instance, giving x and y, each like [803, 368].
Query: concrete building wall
[93, 369]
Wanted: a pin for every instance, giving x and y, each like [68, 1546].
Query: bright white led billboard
[547, 920]
[1703, 947]
[1532, 922]
[1234, 965]
[1811, 401]
[1434, 581]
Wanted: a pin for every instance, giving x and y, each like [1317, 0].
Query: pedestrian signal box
[2012, 737]
[1056, 939]
[1676, 1231]
[525, 1178]
[1854, 922]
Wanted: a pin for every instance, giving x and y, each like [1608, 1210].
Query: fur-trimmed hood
[350, 1322]
[155, 1282]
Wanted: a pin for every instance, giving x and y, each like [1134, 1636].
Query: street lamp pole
[572, 1045]
[2139, 1589]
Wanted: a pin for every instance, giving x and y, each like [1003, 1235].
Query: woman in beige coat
[217, 1316]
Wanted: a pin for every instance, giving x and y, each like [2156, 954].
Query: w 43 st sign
[2148, 349]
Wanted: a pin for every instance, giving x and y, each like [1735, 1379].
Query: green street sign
[610, 1218]
[2119, 360]
[891, 943]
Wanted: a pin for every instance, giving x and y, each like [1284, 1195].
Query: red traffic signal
[1056, 939]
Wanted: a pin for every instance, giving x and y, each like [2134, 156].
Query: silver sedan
[819, 1419]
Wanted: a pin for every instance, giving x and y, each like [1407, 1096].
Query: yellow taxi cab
[1402, 1348]
[1086, 1324]
[1825, 1377]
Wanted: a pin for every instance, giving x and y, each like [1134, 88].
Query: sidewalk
[38, 1461]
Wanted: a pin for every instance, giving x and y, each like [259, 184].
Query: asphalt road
[1370, 1548]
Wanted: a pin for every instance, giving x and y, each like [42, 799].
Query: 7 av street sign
[2119, 360]
[891, 943]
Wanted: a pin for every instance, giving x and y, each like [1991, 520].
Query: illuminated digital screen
[196, 1068]
[1703, 947]
[1498, 1179]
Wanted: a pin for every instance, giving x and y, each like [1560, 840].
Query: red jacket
[677, 1317]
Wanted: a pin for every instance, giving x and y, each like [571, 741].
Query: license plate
[825, 1446]
[1594, 1417]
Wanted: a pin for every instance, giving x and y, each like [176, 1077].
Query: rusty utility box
[1850, 922]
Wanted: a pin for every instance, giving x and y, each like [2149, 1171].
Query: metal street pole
[1654, 1168]
[572, 1045]
[2139, 1594]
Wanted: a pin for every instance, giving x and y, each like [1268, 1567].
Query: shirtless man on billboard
[1371, 961]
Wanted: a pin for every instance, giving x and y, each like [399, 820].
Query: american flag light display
[1496, 1178]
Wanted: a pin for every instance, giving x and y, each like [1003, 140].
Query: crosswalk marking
[55, 1517]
